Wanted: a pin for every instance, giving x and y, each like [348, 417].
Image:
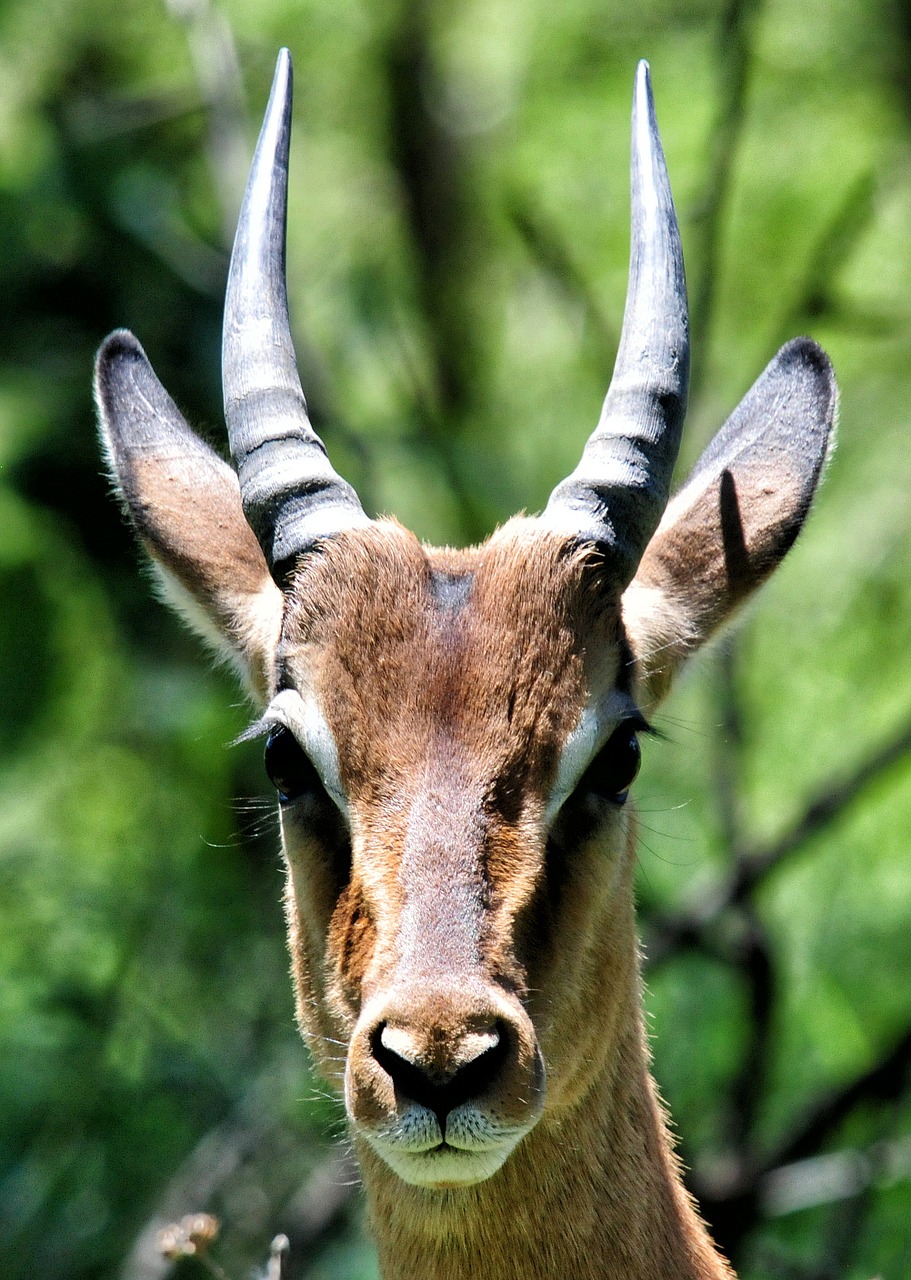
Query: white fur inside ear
[301, 714]
[172, 592]
[650, 611]
[257, 629]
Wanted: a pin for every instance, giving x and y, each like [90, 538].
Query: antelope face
[435, 695]
[452, 734]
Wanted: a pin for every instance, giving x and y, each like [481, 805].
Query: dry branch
[669, 933]
[885, 1081]
[432, 167]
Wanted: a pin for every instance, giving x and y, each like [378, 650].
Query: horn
[292, 497]
[617, 493]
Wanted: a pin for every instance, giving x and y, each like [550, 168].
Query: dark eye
[288, 766]
[613, 770]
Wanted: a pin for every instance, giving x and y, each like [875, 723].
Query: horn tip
[643, 92]
[645, 121]
[283, 79]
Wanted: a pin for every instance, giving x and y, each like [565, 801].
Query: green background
[457, 263]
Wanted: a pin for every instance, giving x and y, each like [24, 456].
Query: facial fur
[435, 905]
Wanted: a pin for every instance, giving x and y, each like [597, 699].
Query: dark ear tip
[123, 372]
[120, 341]
[117, 346]
[804, 358]
[806, 354]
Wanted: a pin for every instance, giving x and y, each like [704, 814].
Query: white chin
[443, 1167]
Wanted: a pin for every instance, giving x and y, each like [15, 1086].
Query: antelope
[453, 736]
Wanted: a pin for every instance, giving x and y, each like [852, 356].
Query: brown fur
[450, 681]
[474, 703]
[215, 562]
[729, 534]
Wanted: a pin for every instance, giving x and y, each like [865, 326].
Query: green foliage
[145, 1009]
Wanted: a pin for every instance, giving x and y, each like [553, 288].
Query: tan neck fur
[593, 1193]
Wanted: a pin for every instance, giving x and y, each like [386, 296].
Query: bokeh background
[457, 263]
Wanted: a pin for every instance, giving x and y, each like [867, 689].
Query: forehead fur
[487, 654]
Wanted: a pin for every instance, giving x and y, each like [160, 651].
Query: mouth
[443, 1166]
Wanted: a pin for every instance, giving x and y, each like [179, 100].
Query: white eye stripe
[596, 723]
[301, 715]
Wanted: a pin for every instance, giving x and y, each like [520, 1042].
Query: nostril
[466, 1071]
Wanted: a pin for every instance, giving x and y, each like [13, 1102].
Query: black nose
[441, 1087]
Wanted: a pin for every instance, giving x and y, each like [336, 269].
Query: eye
[613, 770]
[289, 767]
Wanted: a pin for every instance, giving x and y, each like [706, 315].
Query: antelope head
[453, 734]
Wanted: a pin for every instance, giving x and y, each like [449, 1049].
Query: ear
[735, 518]
[184, 502]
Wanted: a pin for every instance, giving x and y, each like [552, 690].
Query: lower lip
[446, 1186]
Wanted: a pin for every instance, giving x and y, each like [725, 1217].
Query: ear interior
[736, 517]
[185, 504]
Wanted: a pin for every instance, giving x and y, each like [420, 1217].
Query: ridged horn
[617, 493]
[292, 497]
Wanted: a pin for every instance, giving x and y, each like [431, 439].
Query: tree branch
[547, 247]
[672, 932]
[736, 53]
[432, 168]
[885, 1081]
[217, 69]
[814, 299]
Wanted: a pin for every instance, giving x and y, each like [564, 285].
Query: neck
[592, 1193]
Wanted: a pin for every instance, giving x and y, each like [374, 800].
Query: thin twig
[683, 929]
[278, 1259]
[550, 250]
[757, 970]
[727, 764]
[317, 1208]
[884, 1081]
[208, 1168]
[216, 66]
[432, 169]
[736, 54]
